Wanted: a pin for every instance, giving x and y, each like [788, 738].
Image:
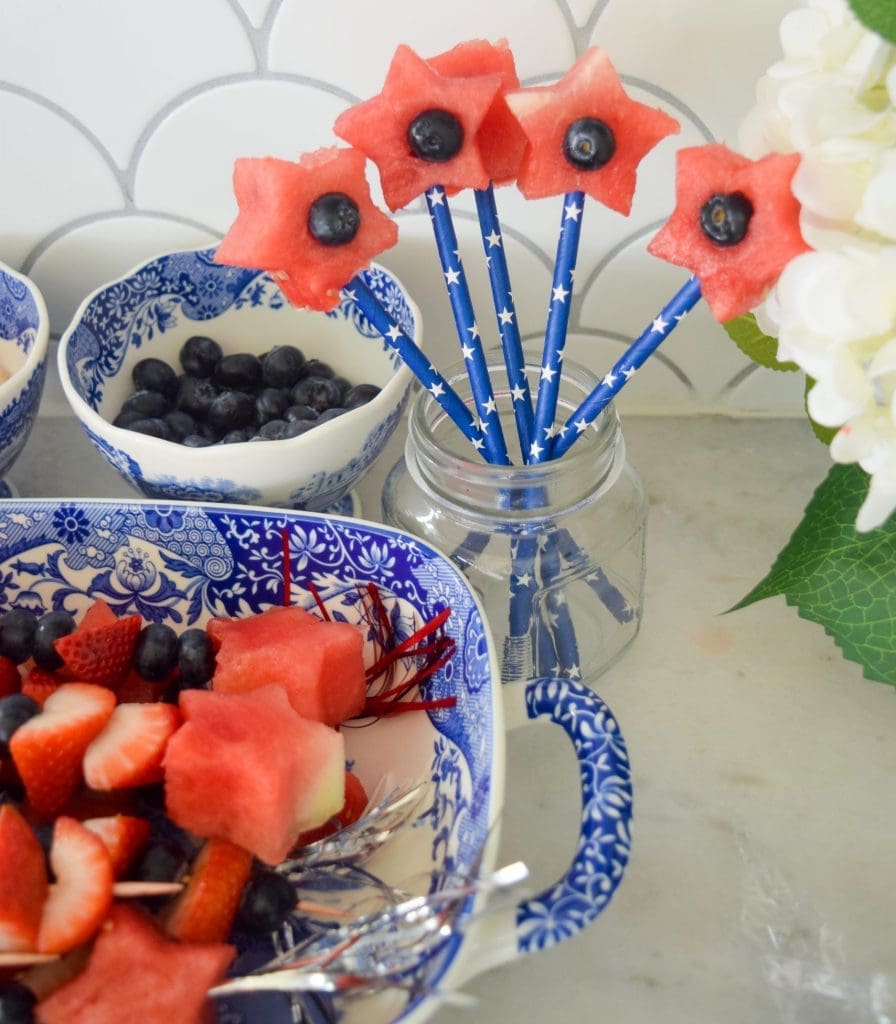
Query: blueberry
[162, 860]
[725, 217]
[195, 658]
[317, 368]
[435, 136]
[272, 403]
[232, 410]
[589, 143]
[155, 375]
[331, 413]
[267, 901]
[273, 430]
[360, 394]
[195, 396]
[333, 218]
[17, 629]
[300, 412]
[241, 371]
[156, 652]
[236, 436]
[125, 419]
[11, 792]
[296, 427]
[50, 628]
[282, 366]
[15, 710]
[152, 427]
[180, 424]
[17, 1003]
[319, 392]
[197, 441]
[148, 404]
[199, 356]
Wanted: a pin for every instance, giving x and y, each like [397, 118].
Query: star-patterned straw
[467, 328]
[586, 137]
[736, 226]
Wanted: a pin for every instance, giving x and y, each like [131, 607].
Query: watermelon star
[421, 129]
[500, 139]
[735, 224]
[311, 224]
[586, 134]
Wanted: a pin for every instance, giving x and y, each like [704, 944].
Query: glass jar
[555, 550]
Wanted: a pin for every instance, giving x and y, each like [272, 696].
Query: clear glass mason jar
[555, 551]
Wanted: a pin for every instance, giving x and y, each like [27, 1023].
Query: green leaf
[839, 578]
[762, 349]
[878, 15]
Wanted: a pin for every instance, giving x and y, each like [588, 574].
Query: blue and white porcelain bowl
[181, 563]
[24, 335]
[154, 309]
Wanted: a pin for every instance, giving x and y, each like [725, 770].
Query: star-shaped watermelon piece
[271, 231]
[501, 140]
[379, 127]
[590, 89]
[733, 278]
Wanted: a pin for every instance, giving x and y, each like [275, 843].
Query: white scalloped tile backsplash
[119, 124]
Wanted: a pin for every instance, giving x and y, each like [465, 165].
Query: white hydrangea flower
[832, 98]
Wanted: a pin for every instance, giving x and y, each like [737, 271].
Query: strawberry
[98, 614]
[39, 684]
[134, 689]
[101, 654]
[10, 680]
[48, 748]
[123, 836]
[23, 882]
[129, 750]
[205, 910]
[81, 896]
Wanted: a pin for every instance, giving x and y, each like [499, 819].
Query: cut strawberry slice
[206, 909]
[39, 684]
[103, 653]
[81, 896]
[136, 973]
[48, 749]
[23, 882]
[591, 90]
[733, 277]
[379, 127]
[129, 750]
[123, 836]
[271, 231]
[134, 689]
[98, 614]
[10, 680]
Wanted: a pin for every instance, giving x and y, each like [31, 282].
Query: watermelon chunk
[501, 140]
[590, 89]
[733, 278]
[319, 664]
[379, 127]
[247, 768]
[23, 882]
[134, 971]
[271, 230]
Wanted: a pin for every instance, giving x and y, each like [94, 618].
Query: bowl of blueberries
[199, 381]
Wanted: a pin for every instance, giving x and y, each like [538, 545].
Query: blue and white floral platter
[182, 563]
[151, 311]
[24, 335]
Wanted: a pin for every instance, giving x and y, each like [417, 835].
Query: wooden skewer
[16, 960]
[126, 890]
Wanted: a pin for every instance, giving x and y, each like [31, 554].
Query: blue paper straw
[417, 361]
[565, 644]
[558, 321]
[467, 328]
[632, 359]
[508, 328]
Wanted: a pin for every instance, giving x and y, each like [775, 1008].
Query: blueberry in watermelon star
[586, 134]
[735, 224]
[311, 224]
[421, 129]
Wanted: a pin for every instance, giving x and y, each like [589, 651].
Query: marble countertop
[760, 887]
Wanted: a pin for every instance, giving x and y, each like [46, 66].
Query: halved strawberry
[23, 882]
[48, 749]
[206, 909]
[101, 654]
[10, 680]
[129, 750]
[123, 836]
[134, 689]
[98, 614]
[38, 684]
[81, 896]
